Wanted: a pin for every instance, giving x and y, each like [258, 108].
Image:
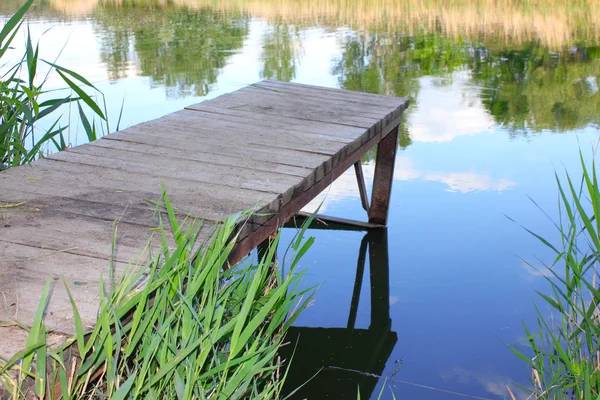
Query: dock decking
[271, 147]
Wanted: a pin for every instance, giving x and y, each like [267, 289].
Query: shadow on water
[334, 362]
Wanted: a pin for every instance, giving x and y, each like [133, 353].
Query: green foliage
[564, 352]
[180, 327]
[25, 104]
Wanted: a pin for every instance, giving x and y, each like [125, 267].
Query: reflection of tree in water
[525, 87]
[179, 48]
[389, 63]
[538, 89]
[280, 52]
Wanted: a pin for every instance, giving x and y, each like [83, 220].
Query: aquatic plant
[26, 105]
[179, 327]
[564, 353]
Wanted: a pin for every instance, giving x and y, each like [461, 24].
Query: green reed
[26, 105]
[180, 327]
[565, 350]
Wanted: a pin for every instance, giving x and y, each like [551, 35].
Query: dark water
[426, 308]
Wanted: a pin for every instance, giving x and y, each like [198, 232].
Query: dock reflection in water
[336, 362]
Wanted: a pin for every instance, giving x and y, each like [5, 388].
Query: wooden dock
[271, 147]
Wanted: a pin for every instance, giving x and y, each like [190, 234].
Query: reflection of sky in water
[458, 289]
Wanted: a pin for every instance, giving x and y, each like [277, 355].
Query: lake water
[502, 95]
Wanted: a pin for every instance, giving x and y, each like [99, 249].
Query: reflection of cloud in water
[445, 111]
[465, 182]
[491, 383]
[345, 187]
[536, 270]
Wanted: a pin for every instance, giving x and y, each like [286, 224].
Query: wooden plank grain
[279, 121]
[371, 98]
[258, 164]
[343, 107]
[164, 168]
[72, 233]
[202, 138]
[379, 103]
[25, 271]
[144, 213]
[205, 129]
[281, 156]
[107, 185]
[261, 105]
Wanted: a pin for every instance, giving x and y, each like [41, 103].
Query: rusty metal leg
[384, 176]
[362, 187]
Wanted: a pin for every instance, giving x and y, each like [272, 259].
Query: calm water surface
[501, 95]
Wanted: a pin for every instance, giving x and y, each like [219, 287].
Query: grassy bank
[179, 327]
[564, 352]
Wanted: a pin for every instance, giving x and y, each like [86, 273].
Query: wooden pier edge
[381, 190]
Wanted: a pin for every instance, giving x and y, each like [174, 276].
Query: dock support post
[384, 176]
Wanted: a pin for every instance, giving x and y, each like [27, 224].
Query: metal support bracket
[362, 187]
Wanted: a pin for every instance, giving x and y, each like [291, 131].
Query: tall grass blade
[83, 95]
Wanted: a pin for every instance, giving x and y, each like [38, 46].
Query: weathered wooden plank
[132, 213]
[260, 104]
[204, 138]
[207, 158]
[26, 269]
[254, 132]
[373, 98]
[333, 149]
[271, 98]
[346, 108]
[320, 162]
[57, 230]
[205, 201]
[329, 130]
[278, 121]
[205, 129]
[162, 168]
[281, 156]
[132, 207]
[311, 146]
[379, 103]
